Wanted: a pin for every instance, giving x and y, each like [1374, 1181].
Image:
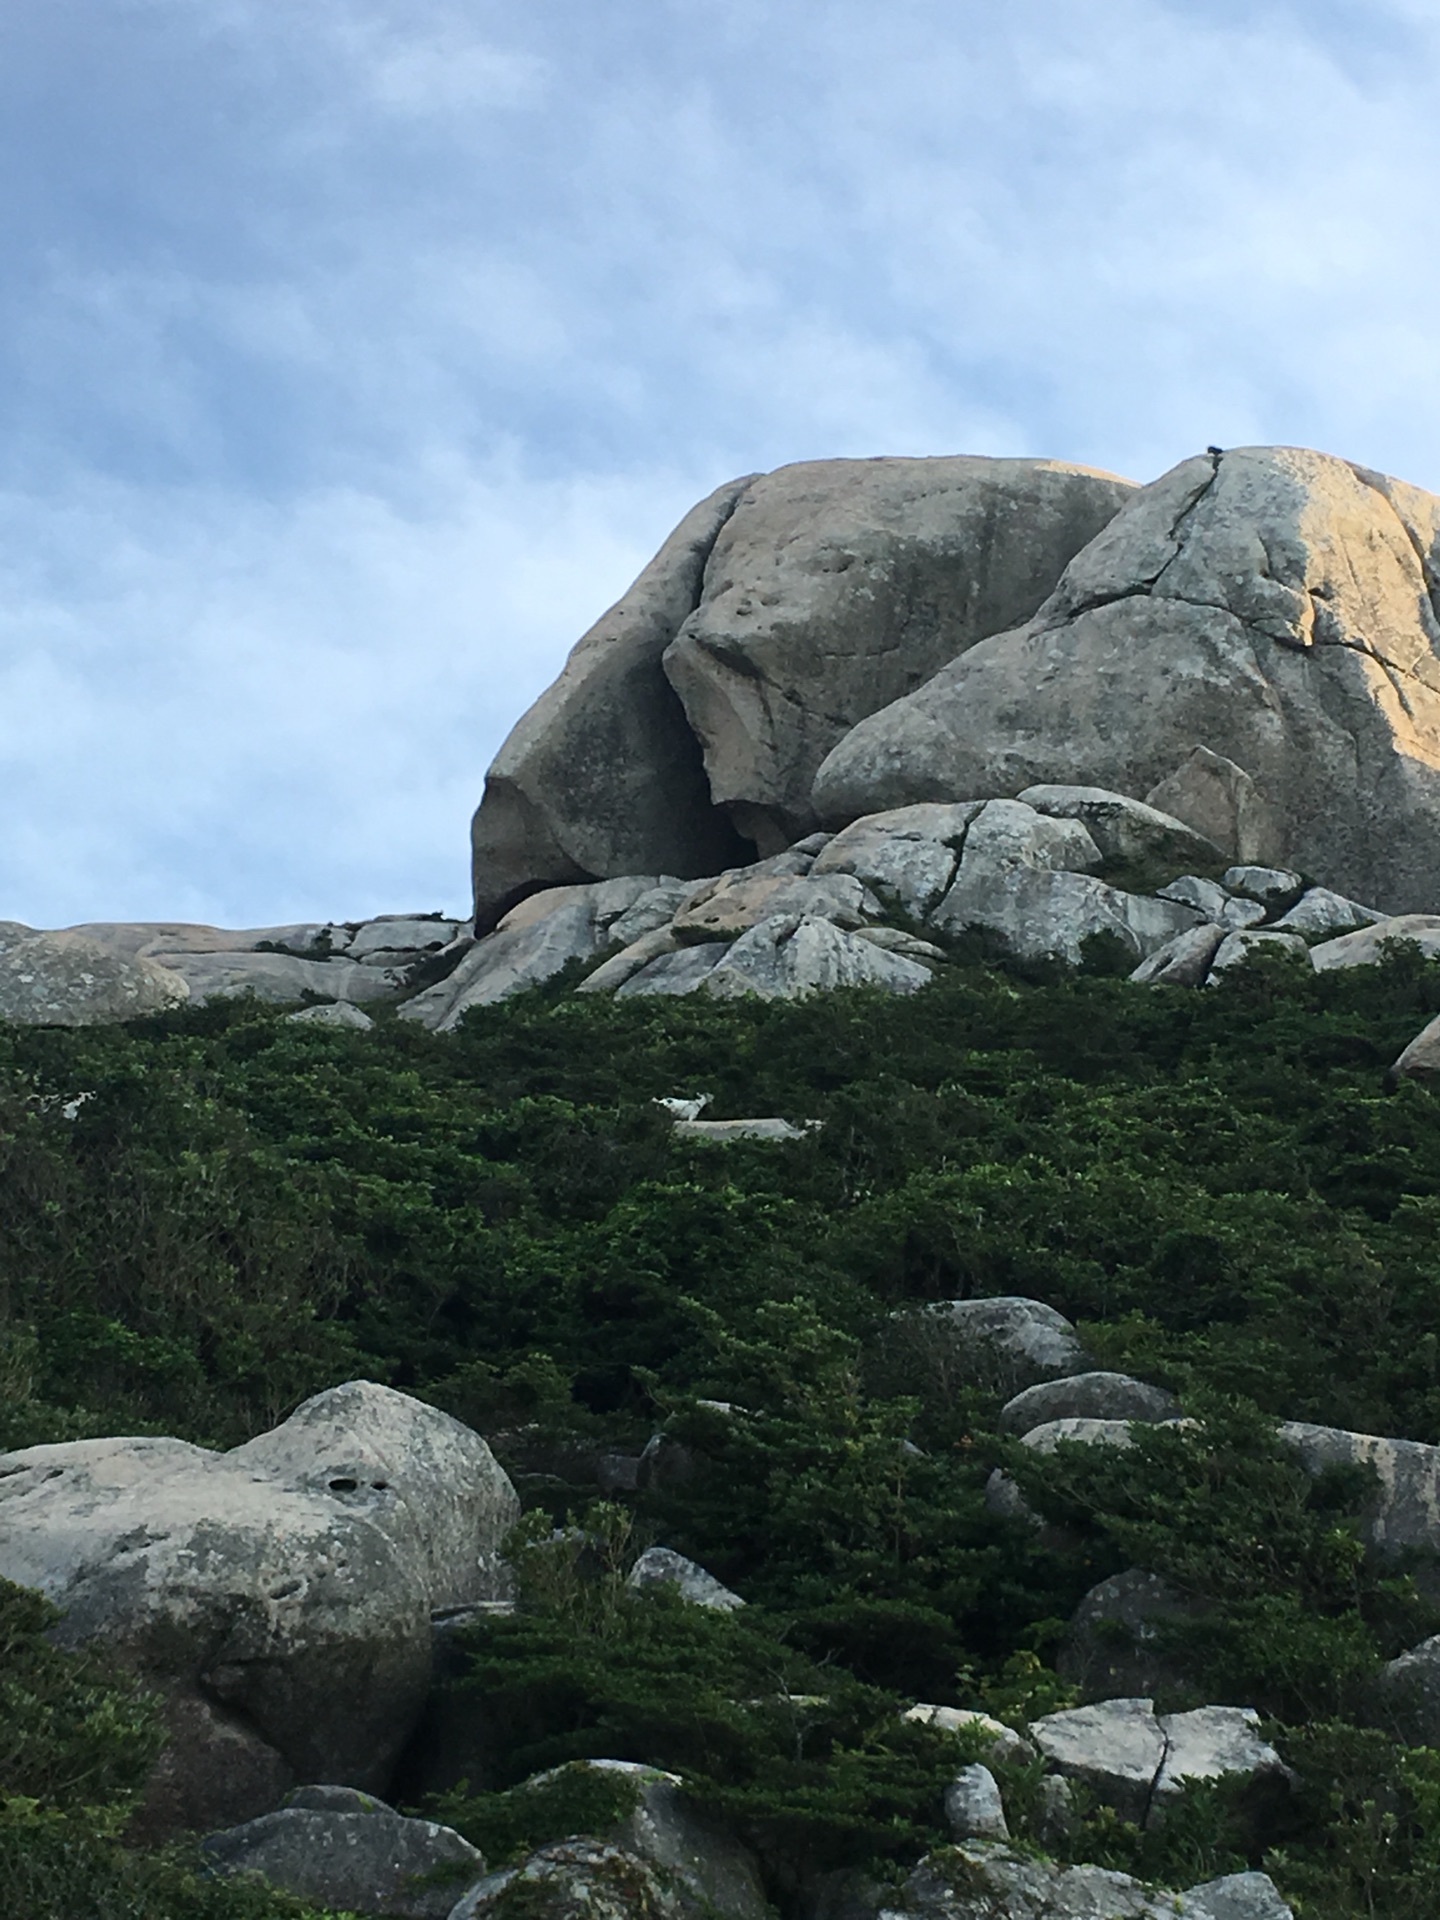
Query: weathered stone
[508, 961]
[838, 585]
[663, 1567]
[1272, 603]
[1020, 877]
[393, 932]
[973, 1807]
[602, 775]
[278, 977]
[655, 908]
[1421, 1059]
[1235, 1896]
[1220, 800]
[1408, 1691]
[896, 940]
[1236, 948]
[1122, 828]
[145, 939]
[70, 980]
[1271, 886]
[1402, 1515]
[1110, 1648]
[1367, 945]
[338, 1013]
[623, 966]
[278, 1595]
[688, 1868]
[1136, 1760]
[1320, 911]
[369, 1860]
[1211, 899]
[1005, 1742]
[1097, 1396]
[1004, 1342]
[732, 905]
[721, 1133]
[985, 1880]
[907, 856]
[789, 956]
[675, 973]
[1182, 962]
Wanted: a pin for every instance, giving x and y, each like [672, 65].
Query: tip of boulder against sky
[354, 358]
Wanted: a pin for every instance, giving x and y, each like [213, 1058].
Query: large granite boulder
[836, 586]
[1140, 1762]
[1275, 606]
[278, 1596]
[337, 1848]
[72, 980]
[602, 775]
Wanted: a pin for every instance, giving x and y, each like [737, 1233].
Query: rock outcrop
[71, 980]
[278, 1596]
[1275, 606]
[986, 1880]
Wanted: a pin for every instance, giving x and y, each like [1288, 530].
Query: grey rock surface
[1111, 1648]
[907, 857]
[986, 1880]
[1271, 604]
[1096, 1396]
[838, 585]
[1220, 800]
[278, 977]
[663, 1567]
[721, 1133]
[1236, 948]
[662, 1853]
[973, 1807]
[1005, 1341]
[1367, 945]
[1137, 1760]
[1271, 886]
[623, 966]
[1182, 962]
[409, 933]
[338, 1013]
[723, 909]
[788, 956]
[1319, 910]
[72, 980]
[1122, 828]
[602, 775]
[1005, 1742]
[362, 1860]
[278, 1596]
[675, 973]
[1403, 1512]
[1408, 1691]
[1420, 1060]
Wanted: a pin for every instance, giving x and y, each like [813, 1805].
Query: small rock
[1007, 1744]
[1055, 1816]
[655, 908]
[1220, 800]
[1238, 1896]
[1237, 947]
[1122, 828]
[340, 1013]
[973, 1807]
[1183, 961]
[907, 856]
[1321, 911]
[1366, 945]
[1421, 1059]
[1110, 1649]
[662, 1567]
[1269, 885]
[723, 1133]
[1005, 1340]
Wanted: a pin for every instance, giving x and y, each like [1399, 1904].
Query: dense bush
[210, 1214]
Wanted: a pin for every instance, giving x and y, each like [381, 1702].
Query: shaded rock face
[785, 607]
[72, 980]
[1275, 606]
[602, 775]
[981, 1880]
[279, 1595]
[837, 586]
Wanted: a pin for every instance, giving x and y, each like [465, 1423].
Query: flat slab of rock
[1366, 946]
[278, 1595]
[362, 1859]
[279, 977]
[721, 1133]
[70, 980]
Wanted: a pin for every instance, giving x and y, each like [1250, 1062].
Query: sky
[355, 354]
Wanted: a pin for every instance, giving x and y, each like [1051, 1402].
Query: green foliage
[569, 1800]
[240, 1211]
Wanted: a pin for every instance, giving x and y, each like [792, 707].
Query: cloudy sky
[354, 354]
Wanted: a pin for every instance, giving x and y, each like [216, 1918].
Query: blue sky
[354, 355]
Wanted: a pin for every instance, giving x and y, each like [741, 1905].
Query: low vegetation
[211, 1214]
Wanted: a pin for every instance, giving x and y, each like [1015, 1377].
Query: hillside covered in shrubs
[211, 1214]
